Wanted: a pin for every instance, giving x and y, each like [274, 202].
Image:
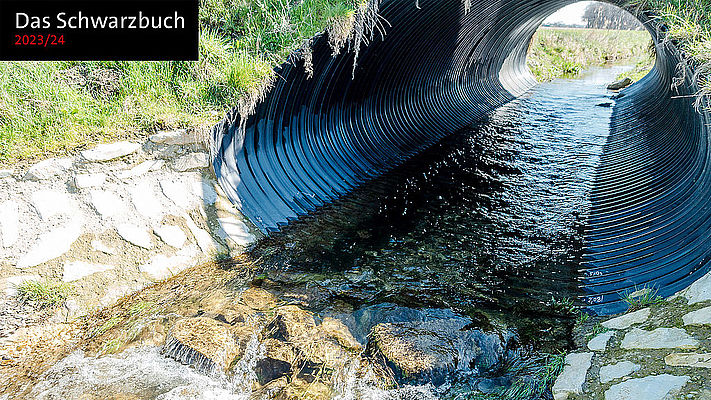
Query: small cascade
[208, 345]
[243, 373]
[142, 373]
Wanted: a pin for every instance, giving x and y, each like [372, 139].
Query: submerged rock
[204, 343]
[300, 389]
[272, 389]
[300, 349]
[259, 299]
[277, 361]
[429, 351]
[337, 330]
[292, 324]
[328, 342]
[151, 333]
[366, 318]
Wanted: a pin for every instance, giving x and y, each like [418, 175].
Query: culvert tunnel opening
[317, 140]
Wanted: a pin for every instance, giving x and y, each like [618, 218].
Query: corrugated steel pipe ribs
[442, 65]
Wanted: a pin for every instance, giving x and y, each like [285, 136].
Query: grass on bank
[640, 69]
[44, 294]
[48, 108]
[544, 371]
[567, 52]
[639, 298]
[535, 378]
[688, 23]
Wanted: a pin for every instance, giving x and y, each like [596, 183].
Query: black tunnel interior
[441, 66]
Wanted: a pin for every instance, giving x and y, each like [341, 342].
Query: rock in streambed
[431, 350]
[204, 343]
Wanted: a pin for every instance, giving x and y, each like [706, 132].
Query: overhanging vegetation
[53, 107]
[688, 23]
[49, 108]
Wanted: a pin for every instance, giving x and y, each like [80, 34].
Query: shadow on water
[488, 222]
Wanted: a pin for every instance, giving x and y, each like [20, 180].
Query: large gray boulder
[429, 351]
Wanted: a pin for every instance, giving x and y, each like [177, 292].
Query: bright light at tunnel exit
[570, 15]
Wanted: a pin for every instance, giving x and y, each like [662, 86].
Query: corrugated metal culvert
[441, 66]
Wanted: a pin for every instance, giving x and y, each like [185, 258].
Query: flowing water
[485, 228]
[488, 221]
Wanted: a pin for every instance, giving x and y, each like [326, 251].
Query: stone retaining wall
[111, 220]
[659, 352]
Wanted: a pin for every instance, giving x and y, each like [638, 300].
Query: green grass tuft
[111, 347]
[106, 326]
[639, 298]
[596, 330]
[564, 305]
[222, 256]
[44, 293]
[582, 318]
[140, 307]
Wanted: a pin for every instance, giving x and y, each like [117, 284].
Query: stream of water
[486, 225]
[488, 222]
